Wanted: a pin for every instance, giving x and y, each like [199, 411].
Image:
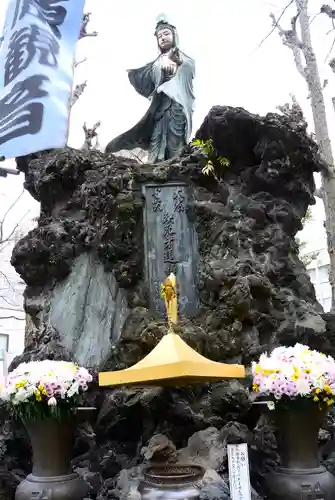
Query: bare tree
[78, 91]
[80, 87]
[91, 135]
[8, 286]
[326, 9]
[305, 61]
[83, 30]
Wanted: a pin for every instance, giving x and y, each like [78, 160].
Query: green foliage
[308, 216]
[306, 259]
[212, 156]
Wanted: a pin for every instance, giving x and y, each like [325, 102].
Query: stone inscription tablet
[170, 244]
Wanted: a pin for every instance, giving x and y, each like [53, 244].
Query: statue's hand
[175, 56]
[169, 69]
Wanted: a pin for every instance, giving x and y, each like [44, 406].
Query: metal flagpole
[5, 171]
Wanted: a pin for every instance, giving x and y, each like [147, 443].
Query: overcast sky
[221, 35]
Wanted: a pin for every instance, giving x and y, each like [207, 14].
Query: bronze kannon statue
[168, 82]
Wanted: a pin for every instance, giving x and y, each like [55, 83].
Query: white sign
[36, 74]
[239, 476]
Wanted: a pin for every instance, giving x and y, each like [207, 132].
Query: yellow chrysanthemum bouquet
[44, 389]
[293, 373]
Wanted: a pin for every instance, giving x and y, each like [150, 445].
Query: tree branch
[4, 299]
[83, 29]
[12, 233]
[5, 241]
[12, 317]
[291, 40]
[274, 27]
[326, 9]
[7, 280]
[90, 134]
[330, 50]
[94, 33]
[78, 91]
[2, 222]
[332, 67]
[76, 64]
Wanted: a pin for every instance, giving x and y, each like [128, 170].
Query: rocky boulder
[87, 296]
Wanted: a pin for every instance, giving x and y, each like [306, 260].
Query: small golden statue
[169, 294]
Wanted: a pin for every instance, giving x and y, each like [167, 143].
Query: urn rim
[170, 473]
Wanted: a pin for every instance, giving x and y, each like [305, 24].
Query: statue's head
[166, 35]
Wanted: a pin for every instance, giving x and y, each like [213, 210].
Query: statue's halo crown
[163, 22]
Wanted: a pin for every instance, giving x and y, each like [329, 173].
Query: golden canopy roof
[172, 362]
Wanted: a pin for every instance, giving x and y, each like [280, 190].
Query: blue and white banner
[36, 74]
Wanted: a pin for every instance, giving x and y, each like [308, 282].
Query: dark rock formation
[87, 299]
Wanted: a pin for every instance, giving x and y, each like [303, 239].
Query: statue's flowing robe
[170, 112]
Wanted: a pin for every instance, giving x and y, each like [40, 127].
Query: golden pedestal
[172, 362]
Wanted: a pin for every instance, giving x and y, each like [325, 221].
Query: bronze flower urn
[52, 477]
[300, 475]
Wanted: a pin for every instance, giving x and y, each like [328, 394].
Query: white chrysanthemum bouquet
[45, 389]
[293, 373]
